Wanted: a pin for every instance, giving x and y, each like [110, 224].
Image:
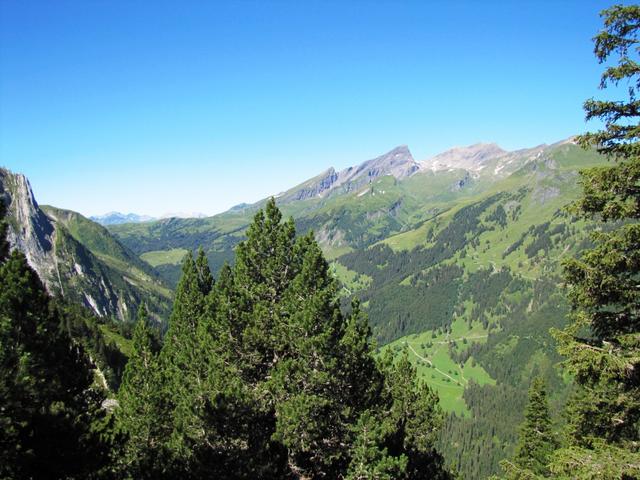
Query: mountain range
[117, 218]
[456, 259]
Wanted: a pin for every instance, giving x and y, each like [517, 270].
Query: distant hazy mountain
[116, 218]
[183, 215]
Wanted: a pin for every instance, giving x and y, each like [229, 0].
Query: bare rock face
[398, 162]
[30, 230]
[472, 158]
[315, 187]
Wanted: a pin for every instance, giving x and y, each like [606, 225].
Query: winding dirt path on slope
[430, 363]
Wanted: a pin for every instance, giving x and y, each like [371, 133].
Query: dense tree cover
[602, 341]
[139, 397]
[602, 344]
[398, 308]
[521, 349]
[50, 415]
[262, 376]
[537, 440]
[84, 327]
[478, 442]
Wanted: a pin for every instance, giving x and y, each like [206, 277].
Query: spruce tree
[536, 441]
[602, 343]
[181, 364]
[140, 405]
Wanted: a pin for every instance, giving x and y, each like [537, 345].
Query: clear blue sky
[196, 106]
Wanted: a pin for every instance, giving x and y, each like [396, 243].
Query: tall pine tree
[309, 372]
[139, 407]
[536, 441]
[602, 344]
[181, 364]
[264, 377]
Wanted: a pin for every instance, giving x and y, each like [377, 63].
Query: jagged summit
[473, 157]
[398, 162]
[36, 233]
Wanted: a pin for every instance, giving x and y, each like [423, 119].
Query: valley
[419, 258]
[456, 261]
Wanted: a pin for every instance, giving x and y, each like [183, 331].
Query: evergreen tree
[602, 344]
[50, 412]
[181, 364]
[310, 371]
[369, 458]
[139, 406]
[536, 441]
[264, 377]
[205, 279]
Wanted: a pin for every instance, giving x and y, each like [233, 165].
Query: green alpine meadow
[474, 314]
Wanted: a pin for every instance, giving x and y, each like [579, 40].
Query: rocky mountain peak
[473, 158]
[397, 162]
[30, 230]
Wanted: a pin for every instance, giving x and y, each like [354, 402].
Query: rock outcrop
[78, 259]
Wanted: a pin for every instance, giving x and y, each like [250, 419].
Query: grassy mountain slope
[483, 277]
[102, 255]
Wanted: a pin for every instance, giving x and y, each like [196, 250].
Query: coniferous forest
[279, 361]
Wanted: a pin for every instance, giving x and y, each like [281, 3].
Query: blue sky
[159, 106]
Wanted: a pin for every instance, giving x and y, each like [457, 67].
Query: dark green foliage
[180, 360]
[536, 441]
[429, 300]
[140, 403]
[50, 410]
[428, 303]
[263, 376]
[602, 344]
[84, 327]
[499, 216]
[541, 241]
[479, 442]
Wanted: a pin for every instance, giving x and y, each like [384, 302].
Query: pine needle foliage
[263, 375]
[602, 343]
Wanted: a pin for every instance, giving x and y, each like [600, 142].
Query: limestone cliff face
[111, 282]
[30, 230]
